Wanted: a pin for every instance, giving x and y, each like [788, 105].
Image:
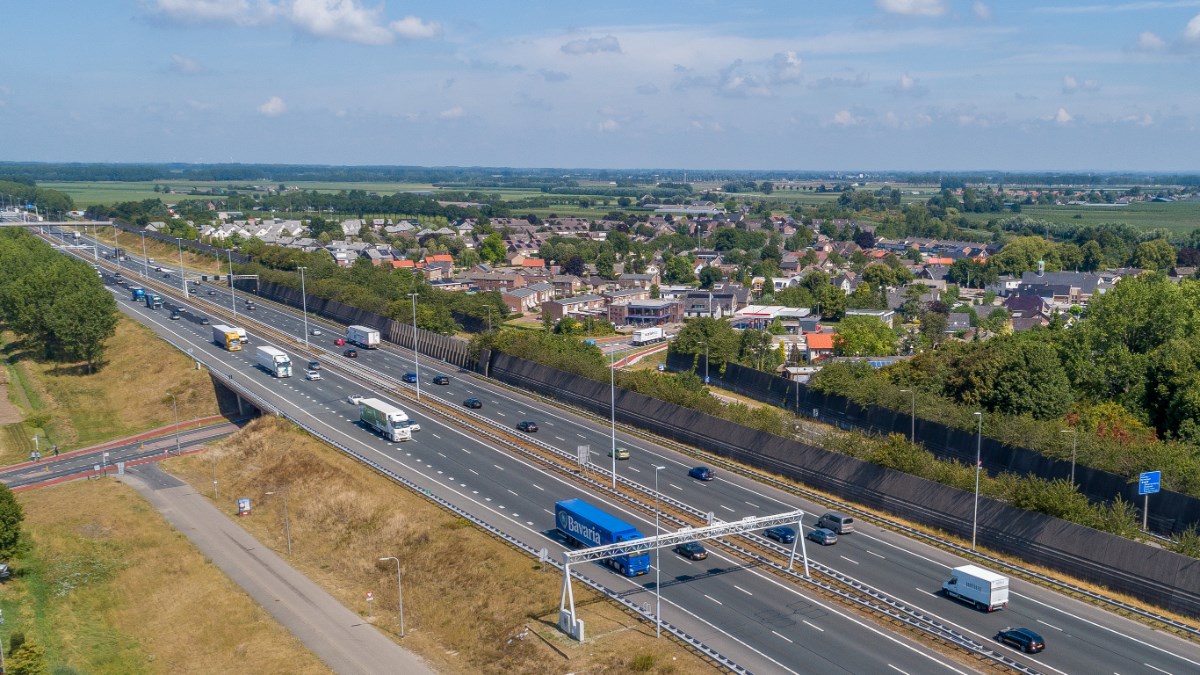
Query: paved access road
[338, 636]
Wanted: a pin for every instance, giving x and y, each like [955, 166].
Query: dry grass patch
[466, 595]
[130, 393]
[108, 586]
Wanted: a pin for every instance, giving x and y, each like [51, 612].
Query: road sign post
[1149, 482]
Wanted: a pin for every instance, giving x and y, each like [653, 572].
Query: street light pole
[416, 361]
[182, 276]
[287, 525]
[399, 591]
[912, 434]
[304, 305]
[232, 295]
[978, 466]
[657, 563]
[612, 393]
[175, 406]
[1074, 440]
[145, 258]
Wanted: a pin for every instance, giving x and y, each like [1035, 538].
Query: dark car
[692, 550]
[167, 275]
[527, 427]
[409, 377]
[314, 365]
[823, 536]
[251, 307]
[204, 321]
[174, 316]
[211, 292]
[473, 403]
[1023, 639]
[350, 353]
[441, 379]
[781, 534]
[701, 473]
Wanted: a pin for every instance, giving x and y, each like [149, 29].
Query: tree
[766, 187]
[679, 270]
[709, 276]
[723, 342]
[864, 336]
[1156, 254]
[11, 517]
[1092, 256]
[1030, 379]
[82, 318]
[933, 327]
[1022, 254]
[492, 249]
[605, 264]
[655, 292]
[27, 658]
[574, 265]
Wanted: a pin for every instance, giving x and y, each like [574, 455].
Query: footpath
[338, 636]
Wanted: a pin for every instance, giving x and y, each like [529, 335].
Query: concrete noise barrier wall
[1154, 575]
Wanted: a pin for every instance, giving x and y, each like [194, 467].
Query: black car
[473, 403]
[527, 427]
[204, 321]
[701, 473]
[251, 307]
[174, 316]
[1023, 639]
[441, 379]
[314, 365]
[781, 534]
[350, 353]
[211, 292]
[692, 550]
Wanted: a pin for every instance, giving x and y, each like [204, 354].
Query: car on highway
[473, 403]
[354, 399]
[167, 275]
[350, 353]
[251, 307]
[314, 365]
[412, 426]
[823, 536]
[409, 377]
[211, 292]
[527, 426]
[204, 321]
[692, 550]
[701, 473]
[782, 534]
[312, 374]
[174, 316]
[621, 453]
[1023, 639]
[340, 341]
[441, 379]
[315, 331]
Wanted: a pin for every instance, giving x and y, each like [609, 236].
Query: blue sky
[855, 84]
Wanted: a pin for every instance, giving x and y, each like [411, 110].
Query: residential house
[958, 322]
[527, 299]
[637, 280]
[580, 306]
[818, 346]
[887, 316]
[646, 312]
[1025, 307]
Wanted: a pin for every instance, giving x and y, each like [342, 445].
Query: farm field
[1175, 217]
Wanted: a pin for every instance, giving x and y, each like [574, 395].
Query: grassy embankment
[466, 595]
[130, 393]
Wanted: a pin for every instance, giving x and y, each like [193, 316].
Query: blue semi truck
[585, 525]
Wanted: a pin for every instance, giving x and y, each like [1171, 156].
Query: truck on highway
[274, 361]
[385, 418]
[139, 294]
[153, 300]
[645, 336]
[977, 587]
[585, 525]
[227, 337]
[365, 337]
[242, 337]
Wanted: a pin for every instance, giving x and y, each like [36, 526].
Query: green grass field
[1176, 217]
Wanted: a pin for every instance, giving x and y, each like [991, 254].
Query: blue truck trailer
[585, 525]
[139, 294]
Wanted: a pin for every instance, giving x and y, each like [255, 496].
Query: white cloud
[1141, 120]
[1149, 42]
[452, 113]
[609, 125]
[845, 118]
[734, 82]
[413, 28]
[1191, 33]
[858, 80]
[1070, 85]
[1143, 6]
[912, 7]
[341, 20]
[786, 67]
[981, 11]
[608, 43]
[273, 107]
[1062, 116]
[238, 12]
[186, 66]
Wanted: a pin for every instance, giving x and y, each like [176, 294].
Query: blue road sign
[1149, 482]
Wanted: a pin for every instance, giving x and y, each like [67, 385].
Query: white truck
[391, 422]
[367, 338]
[645, 336]
[242, 337]
[977, 587]
[274, 361]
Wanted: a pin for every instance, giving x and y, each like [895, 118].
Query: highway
[760, 621]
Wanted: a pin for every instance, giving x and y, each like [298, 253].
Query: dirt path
[9, 413]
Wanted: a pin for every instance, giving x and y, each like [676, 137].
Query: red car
[339, 342]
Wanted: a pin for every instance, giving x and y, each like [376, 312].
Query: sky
[1044, 85]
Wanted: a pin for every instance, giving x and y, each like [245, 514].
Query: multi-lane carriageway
[760, 621]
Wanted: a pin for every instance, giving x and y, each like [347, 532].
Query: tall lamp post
[232, 295]
[912, 434]
[416, 361]
[287, 525]
[705, 343]
[978, 466]
[657, 563]
[175, 406]
[304, 305]
[612, 394]
[182, 276]
[1074, 441]
[399, 591]
[145, 258]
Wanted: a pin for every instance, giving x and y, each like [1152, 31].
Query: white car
[413, 426]
[315, 331]
[354, 399]
[312, 374]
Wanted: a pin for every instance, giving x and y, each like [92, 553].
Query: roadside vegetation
[468, 598]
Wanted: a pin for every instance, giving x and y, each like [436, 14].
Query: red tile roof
[819, 340]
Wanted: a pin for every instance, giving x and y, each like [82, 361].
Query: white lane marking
[435, 436]
[876, 554]
[513, 493]
[466, 451]
[675, 486]
[789, 641]
[548, 511]
[754, 505]
[538, 487]
[498, 467]
[560, 438]
[927, 592]
[1158, 669]
[1050, 625]
[742, 589]
[635, 469]
[473, 471]
[713, 599]
[581, 435]
[500, 413]
[897, 669]
[848, 559]
[440, 454]
[813, 625]
[727, 508]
